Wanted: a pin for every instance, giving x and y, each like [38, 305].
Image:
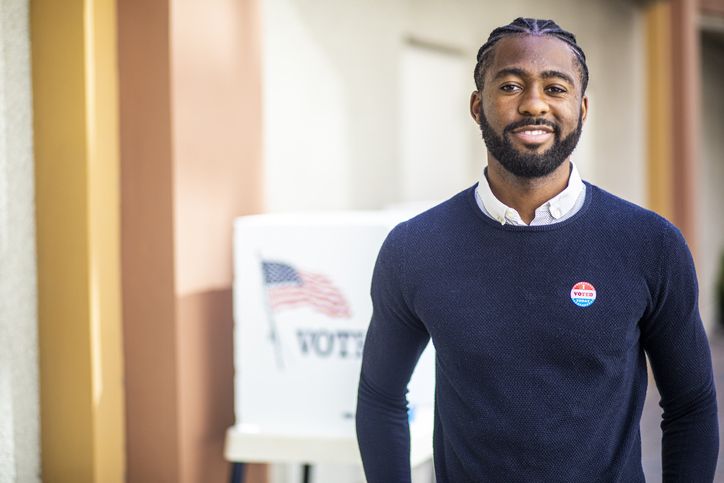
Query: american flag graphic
[288, 287]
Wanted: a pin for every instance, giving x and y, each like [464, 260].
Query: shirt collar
[558, 206]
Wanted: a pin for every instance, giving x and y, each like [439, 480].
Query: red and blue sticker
[583, 294]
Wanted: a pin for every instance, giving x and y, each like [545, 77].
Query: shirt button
[510, 213]
[556, 212]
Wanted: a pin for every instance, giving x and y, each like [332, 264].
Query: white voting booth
[301, 311]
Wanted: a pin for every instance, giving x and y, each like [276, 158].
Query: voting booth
[301, 312]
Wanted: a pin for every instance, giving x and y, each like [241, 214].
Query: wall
[332, 93]
[77, 236]
[710, 197]
[190, 155]
[19, 413]
[216, 177]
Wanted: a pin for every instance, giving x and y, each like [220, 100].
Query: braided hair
[529, 26]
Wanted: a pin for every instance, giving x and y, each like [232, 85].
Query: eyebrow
[547, 74]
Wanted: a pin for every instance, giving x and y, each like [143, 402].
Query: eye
[556, 90]
[510, 88]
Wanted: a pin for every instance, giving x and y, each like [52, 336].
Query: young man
[542, 294]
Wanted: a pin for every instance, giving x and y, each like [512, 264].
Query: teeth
[534, 133]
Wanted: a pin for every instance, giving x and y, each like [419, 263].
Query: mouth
[533, 135]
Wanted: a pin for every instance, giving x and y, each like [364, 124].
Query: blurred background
[133, 133]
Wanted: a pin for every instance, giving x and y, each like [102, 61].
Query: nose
[532, 103]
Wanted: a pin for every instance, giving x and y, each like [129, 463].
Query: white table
[246, 445]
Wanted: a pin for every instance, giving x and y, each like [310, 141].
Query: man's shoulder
[627, 215]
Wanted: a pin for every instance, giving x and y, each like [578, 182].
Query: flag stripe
[280, 297]
[326, 308]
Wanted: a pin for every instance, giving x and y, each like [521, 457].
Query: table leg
[237, 472]
[306, 473]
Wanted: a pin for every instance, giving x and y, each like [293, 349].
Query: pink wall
[191, 162]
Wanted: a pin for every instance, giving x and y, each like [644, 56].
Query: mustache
[532, 122]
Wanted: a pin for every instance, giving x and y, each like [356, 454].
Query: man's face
[531, 109]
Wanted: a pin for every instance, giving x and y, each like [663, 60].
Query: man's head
[530, 102]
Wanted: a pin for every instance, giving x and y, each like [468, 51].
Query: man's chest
[566, 308]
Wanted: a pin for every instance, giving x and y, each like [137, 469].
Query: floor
[650, 429]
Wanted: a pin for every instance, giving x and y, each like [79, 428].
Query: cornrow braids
[529, 26]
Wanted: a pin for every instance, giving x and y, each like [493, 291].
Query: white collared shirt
[559, 208]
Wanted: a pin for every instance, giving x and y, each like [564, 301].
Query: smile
[533, 136]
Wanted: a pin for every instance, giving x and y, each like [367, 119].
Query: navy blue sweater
[534, 383]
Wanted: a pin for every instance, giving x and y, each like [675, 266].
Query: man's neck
[525, 195]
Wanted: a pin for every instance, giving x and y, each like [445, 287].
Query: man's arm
[395, 340]
[674, 338]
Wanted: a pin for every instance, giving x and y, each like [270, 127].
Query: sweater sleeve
[395, 340]
[674, 338]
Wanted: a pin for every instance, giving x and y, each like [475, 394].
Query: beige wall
[216, 109]
[217, 172]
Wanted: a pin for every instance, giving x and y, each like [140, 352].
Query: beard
[529, 165]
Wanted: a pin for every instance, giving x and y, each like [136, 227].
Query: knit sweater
[540, 336]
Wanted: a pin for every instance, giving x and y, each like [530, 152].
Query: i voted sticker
[583, 294]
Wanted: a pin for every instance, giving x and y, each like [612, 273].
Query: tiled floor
[650, 429]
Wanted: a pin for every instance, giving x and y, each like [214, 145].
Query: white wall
[332, 93]
[710, 236]
[438, 143]
[19, 413]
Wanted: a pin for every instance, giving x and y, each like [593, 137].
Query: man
[542, 294]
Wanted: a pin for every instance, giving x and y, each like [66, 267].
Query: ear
[475, 101]
[584, 108]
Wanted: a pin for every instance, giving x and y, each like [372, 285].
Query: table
[245, 444]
